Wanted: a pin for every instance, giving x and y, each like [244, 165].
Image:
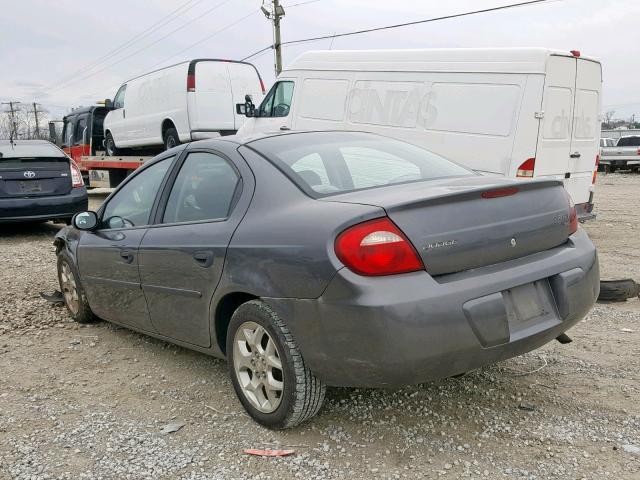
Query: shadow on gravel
[26, 229]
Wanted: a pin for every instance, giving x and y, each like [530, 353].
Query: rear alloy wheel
[267, 370]
[171, 138]
[110, 146]
[74, 297]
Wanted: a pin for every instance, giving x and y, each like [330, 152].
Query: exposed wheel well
[166, 125]
[227, 305]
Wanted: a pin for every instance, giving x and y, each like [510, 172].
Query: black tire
[618, 290]
[302, 394]
[110, 146]
[81, 312]
[171, 138]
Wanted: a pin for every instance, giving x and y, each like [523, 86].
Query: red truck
[82, 139]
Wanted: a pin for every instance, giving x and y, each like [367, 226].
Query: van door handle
[124, 113]
[575, 155]
[284, 127]
[127, 255]
[204, 258]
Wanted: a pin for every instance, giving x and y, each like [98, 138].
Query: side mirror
[248, 109]
[108, 103]
[85, 220]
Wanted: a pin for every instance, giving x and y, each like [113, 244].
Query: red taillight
[638, 152]
[500, 192]
[76, 176]
[595, 172]
[526, 169]
[575, 53]
[262, 86]
[377, 247]
[191, 82]
[573, 215]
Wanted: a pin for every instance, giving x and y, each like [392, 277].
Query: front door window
[131, 205]
[278, 101]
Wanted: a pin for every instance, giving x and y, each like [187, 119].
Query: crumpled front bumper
[410, 328]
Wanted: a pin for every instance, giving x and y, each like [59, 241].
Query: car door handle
[575, 155]
[127, 255]
[203, 258]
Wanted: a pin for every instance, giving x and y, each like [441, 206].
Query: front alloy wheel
[69, 288]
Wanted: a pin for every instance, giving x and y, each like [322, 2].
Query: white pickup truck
[625, 154]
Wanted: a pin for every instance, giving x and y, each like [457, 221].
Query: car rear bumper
[43, 208]
[406, 329]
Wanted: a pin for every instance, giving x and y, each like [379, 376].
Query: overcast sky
[49, 50]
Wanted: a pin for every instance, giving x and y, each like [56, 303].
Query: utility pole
[14, 123]
[276, 13]
[35, 115]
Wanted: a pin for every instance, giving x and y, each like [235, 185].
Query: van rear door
[569, 132]
[245, 80]
[586, 130]
[210, 100]
[554, 134]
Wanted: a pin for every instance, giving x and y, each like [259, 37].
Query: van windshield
[326, 163]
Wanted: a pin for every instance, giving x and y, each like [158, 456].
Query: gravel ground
[90, 402]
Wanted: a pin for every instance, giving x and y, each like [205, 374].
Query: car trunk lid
[465, 223]
[34, 177]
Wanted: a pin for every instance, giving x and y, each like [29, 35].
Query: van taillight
[76, 175]
[595, 172]
[262, 86]
[526, 169]
[377, 247]
[191, 82]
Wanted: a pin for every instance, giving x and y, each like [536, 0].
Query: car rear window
[19, 153]
[327, 163]
[629, 142]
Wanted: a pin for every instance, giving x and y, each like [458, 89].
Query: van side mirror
[248, 109]
[108, 103]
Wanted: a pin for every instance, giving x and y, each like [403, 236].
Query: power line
[406, 24]
[136, 38]
[91, 74]
[206, 38]
[300, 4]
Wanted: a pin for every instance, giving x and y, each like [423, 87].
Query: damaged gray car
[319, 259]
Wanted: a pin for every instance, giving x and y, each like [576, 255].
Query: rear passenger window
[204, 189]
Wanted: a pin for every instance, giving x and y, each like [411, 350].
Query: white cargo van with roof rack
[188, 101]
[518, 112]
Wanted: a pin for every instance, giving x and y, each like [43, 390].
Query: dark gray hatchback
[38, 182]
[330, 258]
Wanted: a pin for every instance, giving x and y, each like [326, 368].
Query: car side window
[204, 189]
[118, 100]
[278, 101]
[131, 205]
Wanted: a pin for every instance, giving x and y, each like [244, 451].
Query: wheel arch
[224, 310]
[167, 123]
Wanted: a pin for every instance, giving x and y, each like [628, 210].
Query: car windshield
[326, 163]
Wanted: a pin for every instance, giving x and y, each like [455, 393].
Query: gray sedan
[329, 258]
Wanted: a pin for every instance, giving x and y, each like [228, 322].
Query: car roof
[246, 139]
[29, 148]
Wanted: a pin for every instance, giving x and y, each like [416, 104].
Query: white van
[188, 101]
[519, 112]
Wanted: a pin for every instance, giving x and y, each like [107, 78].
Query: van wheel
[268, 372]
[110, 146]
[171, 138]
